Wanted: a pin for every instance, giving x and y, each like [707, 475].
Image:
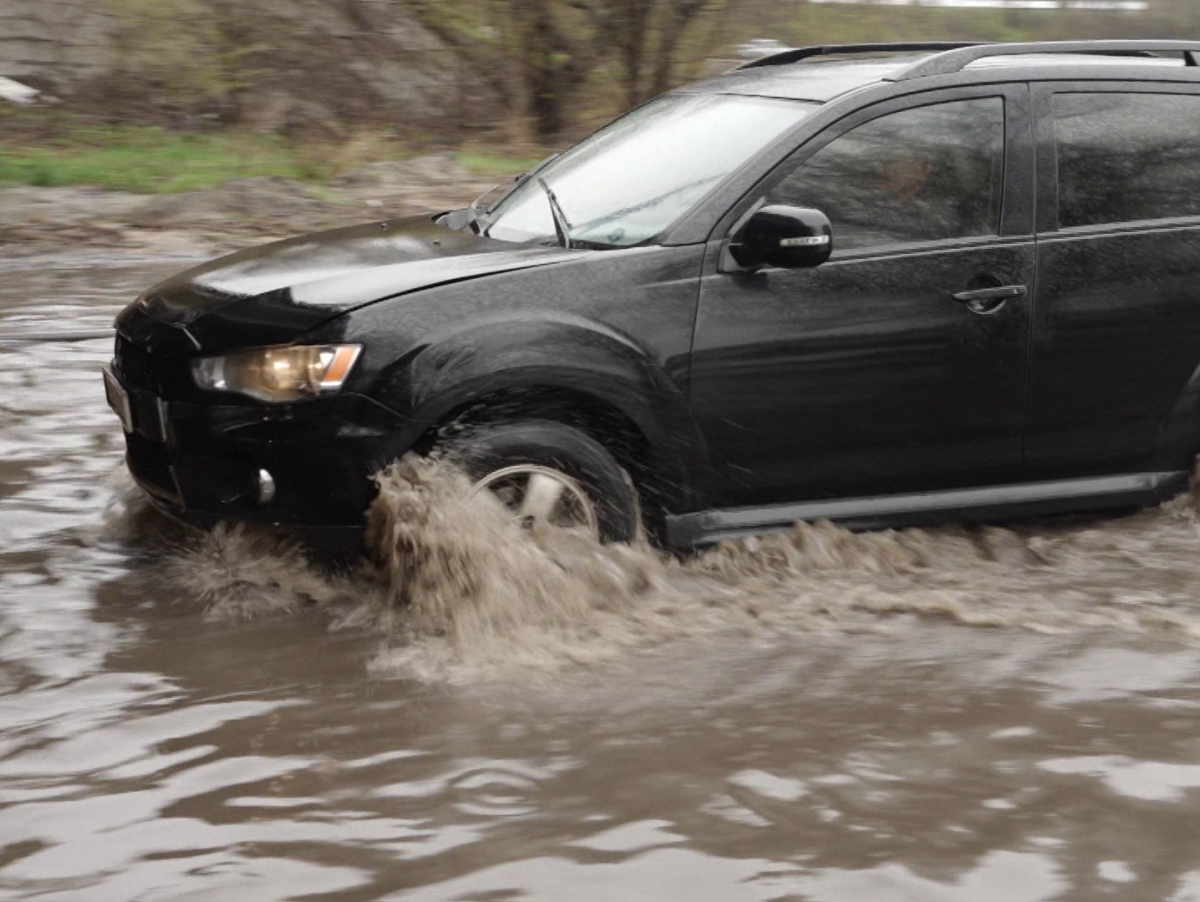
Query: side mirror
[779, 235]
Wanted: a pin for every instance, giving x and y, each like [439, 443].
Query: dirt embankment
[39, 220]
[314, 67]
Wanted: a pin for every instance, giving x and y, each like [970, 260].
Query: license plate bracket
[118, 400]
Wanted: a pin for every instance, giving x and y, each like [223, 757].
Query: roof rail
[958, 58]
[796, 54]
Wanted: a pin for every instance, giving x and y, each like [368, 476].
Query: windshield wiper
[476, 217]
[562, 226]
[479, 215]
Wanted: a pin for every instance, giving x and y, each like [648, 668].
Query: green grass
[148, 160]
[485, 163]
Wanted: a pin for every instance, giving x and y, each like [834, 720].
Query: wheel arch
[660, 477]
[566, 369]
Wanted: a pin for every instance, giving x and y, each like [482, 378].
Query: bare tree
[539, 53]
[535, 52]
[645, 37]
[676, 18]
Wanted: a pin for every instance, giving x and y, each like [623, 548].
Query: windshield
[633, 178]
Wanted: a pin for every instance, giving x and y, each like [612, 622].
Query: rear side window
[1126, 157]
[924, 174]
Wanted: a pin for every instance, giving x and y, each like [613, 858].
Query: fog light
[266, 487]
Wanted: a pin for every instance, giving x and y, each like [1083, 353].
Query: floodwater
[489, 714]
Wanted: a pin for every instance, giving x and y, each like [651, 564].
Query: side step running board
[995, 502]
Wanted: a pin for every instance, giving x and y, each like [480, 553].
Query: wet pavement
[933, 715]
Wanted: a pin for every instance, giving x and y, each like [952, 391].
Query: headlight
[282, 373]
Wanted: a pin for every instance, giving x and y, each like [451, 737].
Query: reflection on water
[947, 714]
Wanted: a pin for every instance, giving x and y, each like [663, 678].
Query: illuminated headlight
[282, 373]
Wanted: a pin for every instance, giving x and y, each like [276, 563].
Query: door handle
[989, 300]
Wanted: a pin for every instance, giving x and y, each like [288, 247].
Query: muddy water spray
[460, 590]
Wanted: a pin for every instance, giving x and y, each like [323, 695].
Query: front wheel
[549, 473]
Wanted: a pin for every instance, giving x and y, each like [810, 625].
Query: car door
[865, 375]
[1116, 347]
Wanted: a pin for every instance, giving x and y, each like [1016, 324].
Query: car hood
[278, 291]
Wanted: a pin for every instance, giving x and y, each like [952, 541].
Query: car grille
[149, 463]
[136, 365]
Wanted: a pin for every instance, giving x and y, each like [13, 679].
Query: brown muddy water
[490, 715]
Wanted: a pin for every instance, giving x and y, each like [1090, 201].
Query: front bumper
[203, 463]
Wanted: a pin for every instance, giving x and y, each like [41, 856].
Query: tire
[553, 447]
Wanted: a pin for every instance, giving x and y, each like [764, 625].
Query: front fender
[614, 327]
[453, 369]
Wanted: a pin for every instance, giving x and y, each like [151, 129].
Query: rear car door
[1114, 382]
[865, 375]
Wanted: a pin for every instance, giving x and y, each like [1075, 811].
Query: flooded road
[491, 715]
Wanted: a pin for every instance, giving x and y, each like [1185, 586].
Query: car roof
[819, 80]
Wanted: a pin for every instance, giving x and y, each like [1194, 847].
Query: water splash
[460, 591]
[231, 572]
[240, 572]
[468, 585]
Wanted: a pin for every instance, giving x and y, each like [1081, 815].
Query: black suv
[877, 284]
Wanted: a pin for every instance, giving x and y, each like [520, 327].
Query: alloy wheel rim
[537, 495]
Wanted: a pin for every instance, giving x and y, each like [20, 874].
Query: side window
[1126, 157]
[924, 174]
